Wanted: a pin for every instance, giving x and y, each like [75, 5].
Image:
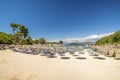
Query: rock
[118, 53]
[112, 53]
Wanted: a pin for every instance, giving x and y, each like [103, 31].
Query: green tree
[29, 40]
[6, 38]
[61, 42]
[20, 32]
[42, 40]
[36, 41]
[111, 39]
[23, 42]
[23, 31]
[14, 27]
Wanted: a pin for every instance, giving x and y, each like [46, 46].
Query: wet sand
[20, 66]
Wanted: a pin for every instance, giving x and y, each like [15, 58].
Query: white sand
[19, 66]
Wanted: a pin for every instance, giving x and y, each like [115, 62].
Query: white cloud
[91, 38]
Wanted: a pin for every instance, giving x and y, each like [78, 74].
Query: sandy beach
[20, 66]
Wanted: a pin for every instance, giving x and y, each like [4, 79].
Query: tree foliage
[29, 40]
[14, 27]
[23, 30]
[36, 41]
[20, 32]
[61, 42]
[20, 36]
[6, 38]
[42, 40]
[112, 39]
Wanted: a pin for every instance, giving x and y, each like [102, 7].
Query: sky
[61, 19]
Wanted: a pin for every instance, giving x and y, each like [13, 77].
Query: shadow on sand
[83, 58]
[100, 58]
[64, 57]
[117, 58]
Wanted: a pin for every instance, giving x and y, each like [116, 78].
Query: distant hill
[111, 39]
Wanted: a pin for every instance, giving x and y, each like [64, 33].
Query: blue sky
[61, 19]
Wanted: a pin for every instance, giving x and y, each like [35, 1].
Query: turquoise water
[72, 46]
[75, 45]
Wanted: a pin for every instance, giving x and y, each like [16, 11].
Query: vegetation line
[111, 39]
[21, 36]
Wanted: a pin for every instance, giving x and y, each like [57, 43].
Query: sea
[84, 45]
